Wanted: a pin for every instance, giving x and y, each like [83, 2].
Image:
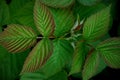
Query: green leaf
[78, 58]
[101, 66]
[21, 12]
[3, 53]
[86, 11]
[59, 76]
[89, 2]
[15, 8]
[2, 50]
[17, 38]
[62, 75]
[64, 21]
[43, 19]
[38, 56]
[4, 13]
[16, 5]
[11, 64]
[110, 52]
[32, 75]
[57, 3]
[97, 25]
[62, 55]
[91, 65]
[25, 16]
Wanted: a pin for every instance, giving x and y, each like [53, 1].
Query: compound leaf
[57, 3]
[78, 58]
[64, 21]
[97, 25]
[110, 52]
[43, 19]
[17, 38]
[38, 56]
[91, 65]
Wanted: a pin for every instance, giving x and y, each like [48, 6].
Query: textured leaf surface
[86, 11]
[21, 12]
[62, 75]
[64, 21]
[57, 3]
[43, 19]
[62, 55]
[97, 25]
[78, 58]
[11, 64]
[88, 2]
[91, 65]
[110, 52]
[101, 66]
[25, 16]
[17, 38]
[38, 56]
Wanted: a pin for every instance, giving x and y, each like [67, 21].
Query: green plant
[68, 37]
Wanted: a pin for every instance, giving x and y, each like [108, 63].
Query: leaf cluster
[67, 37]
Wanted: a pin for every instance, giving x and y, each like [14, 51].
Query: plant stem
[39, 37]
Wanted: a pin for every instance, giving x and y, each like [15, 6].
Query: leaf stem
[39, 37]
